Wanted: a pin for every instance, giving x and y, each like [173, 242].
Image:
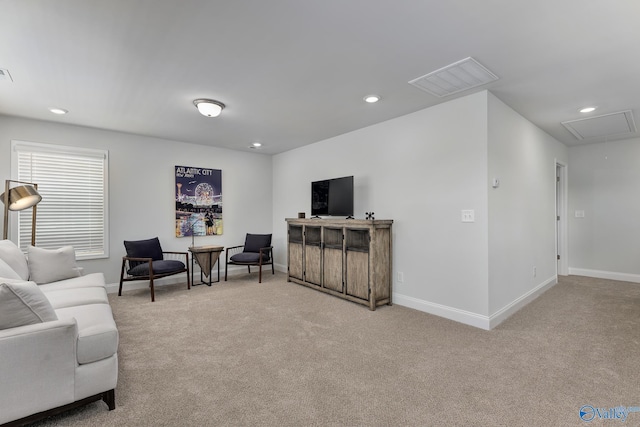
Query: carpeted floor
[278, 354]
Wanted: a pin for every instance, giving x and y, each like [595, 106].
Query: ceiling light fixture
[209, 107]
[588, 109]
[58, 110]
[256, 145]
[371, 99]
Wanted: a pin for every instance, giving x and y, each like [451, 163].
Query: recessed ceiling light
[588, 109]
[371, 99]
[58, 110]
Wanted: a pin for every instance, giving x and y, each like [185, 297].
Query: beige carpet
[279, 354]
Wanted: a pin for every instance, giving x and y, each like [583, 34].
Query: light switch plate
[468, 215]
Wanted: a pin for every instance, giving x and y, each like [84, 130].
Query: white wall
[420, 170]
[141, 184]
[604, 182]
[521, 210]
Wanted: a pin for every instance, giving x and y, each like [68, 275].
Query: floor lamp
[19, 198]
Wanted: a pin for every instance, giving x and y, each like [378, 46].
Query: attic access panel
[614, 124]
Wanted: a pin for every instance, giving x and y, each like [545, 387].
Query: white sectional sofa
[58, 338]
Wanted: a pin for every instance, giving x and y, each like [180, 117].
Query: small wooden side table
[206, 257]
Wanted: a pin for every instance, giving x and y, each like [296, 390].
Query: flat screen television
[332, 197]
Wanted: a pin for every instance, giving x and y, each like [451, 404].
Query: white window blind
[73, 185]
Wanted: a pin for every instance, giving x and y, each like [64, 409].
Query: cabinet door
[312, 255]
[312, 262]
[332, 267]
[295, 260]
[295, 252]
[357, 262]
[358, 274]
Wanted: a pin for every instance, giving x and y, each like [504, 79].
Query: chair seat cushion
[159, 267]
[249, 257]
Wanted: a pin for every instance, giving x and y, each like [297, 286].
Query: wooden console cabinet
[348, 258]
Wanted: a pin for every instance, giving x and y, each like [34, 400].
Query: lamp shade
[22, 197]
[209, 107]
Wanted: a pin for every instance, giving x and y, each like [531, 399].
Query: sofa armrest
[38, 368]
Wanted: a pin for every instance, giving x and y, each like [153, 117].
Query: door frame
[562, 264]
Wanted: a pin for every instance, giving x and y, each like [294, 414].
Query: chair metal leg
[188, 274]
[121, 277]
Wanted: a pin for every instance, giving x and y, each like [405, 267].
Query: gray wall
[522, 231]
[604, 182]
[141, 185]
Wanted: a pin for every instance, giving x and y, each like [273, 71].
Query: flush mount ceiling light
[371, 98]
[209, 107]
[58, 110]
[256, 145]
[588, 109]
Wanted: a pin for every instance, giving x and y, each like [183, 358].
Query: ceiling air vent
[4, 75]
[614, 124]
[457, 77]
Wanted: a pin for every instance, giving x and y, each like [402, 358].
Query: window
[73, 184]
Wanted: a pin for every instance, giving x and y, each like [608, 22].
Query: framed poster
[198, 201]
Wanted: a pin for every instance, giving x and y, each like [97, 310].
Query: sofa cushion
[12, 255]
[86, 281]
[73, 297]
[97, 332]
[7, 271]
[23, 304]
[51, 265]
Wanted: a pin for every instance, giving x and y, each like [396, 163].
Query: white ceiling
[293, 72]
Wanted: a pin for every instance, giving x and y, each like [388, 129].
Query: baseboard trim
[112, 288]
[451, 313]
[474, 319]
[609, 275]
[501, 315]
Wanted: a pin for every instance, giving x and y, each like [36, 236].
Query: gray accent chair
[256, 251]
[145, 260]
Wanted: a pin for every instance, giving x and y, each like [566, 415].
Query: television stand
[347, 258]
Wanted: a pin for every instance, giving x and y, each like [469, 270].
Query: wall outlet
[535, 271]
[400, 277]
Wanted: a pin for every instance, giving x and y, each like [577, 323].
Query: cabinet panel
[312, 264]
[332, 269]
[295, 260]
[381, 268]
[357, 274]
